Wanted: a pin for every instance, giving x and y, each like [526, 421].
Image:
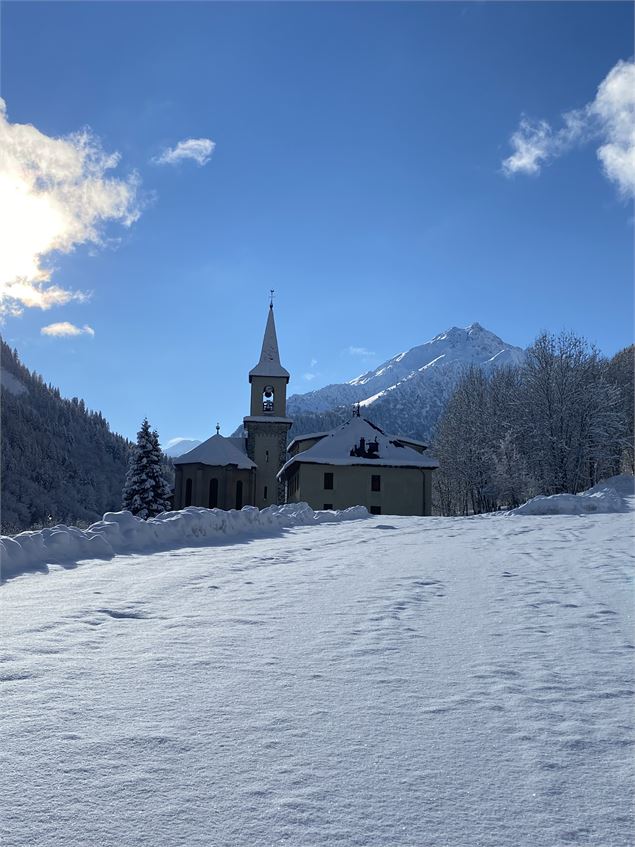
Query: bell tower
[267, 424]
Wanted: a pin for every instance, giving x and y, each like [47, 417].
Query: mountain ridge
[407, 393]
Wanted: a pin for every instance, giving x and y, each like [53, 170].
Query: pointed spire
[269, 364]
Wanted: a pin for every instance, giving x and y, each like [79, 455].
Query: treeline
[560, 422]
[60, 462]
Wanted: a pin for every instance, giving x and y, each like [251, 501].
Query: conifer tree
[146, 493]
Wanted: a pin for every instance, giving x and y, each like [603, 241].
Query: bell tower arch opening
[268, 401]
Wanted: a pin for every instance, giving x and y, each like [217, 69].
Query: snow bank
[122, 532]
[604, 498]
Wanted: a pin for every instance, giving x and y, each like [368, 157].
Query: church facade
[229, 473]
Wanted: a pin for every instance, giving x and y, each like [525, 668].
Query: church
[355, 464]
[229, 473]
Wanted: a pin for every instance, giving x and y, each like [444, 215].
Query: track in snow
[399, 681]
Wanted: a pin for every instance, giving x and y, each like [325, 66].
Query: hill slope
[60, 461]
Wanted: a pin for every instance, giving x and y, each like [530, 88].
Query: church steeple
[267, 424]
[269, 363]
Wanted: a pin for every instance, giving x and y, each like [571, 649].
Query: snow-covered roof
[218, 451]
[336, 446]
[309, 436]
[269, 364]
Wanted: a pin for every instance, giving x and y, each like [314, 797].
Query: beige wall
[404, 491]
[201, 475]
[279, 385]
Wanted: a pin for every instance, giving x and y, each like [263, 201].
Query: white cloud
[198, 149]
[313, 363]
[532, 145]
[609, 119]
[55, 194]
[309, 377]
[614, 106]
[360, 351]
[64, 329]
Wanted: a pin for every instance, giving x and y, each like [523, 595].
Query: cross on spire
[217, 428]
[271, 292]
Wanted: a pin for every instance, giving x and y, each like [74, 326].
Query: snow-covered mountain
[407, 393]
[178, 446]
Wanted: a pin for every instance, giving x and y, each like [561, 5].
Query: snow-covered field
[450, 682]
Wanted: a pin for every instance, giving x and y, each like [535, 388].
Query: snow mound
[122, 532]
[604, 498]
[624, 484]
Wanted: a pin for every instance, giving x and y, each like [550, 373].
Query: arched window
[267, 399]
[213, 493]
[239, 494]
[188, 492]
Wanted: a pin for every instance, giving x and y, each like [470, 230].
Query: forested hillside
[60, 461]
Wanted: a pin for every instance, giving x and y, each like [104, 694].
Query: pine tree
[146, 493]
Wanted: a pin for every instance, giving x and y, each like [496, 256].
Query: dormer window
[267, 399]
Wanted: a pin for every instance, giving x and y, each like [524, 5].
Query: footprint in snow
[121, 614]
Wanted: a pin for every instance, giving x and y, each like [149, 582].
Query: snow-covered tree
[559, 422]
[570, 414]
[146, 492]
[621, 372]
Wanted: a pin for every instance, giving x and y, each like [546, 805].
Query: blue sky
[357, 169]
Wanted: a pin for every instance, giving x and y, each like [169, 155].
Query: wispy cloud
[313, 363]
[64, 329]
[55, 194]
[198, 149]
[359, 351]
[609, 120]
[309, 377]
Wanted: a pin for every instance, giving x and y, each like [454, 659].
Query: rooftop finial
[271, 291]
[217, 429]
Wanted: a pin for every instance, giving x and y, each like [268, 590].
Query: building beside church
[229, 473]
[359, 464]
[354, 464]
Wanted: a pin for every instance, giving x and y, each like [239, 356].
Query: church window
[266, 456]
[375, 510]
[375, 482]
[267, 399]
[213, 493]
[188, 492]
[328, 507]
[265, 495]
[239, 494]
[328, 480]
